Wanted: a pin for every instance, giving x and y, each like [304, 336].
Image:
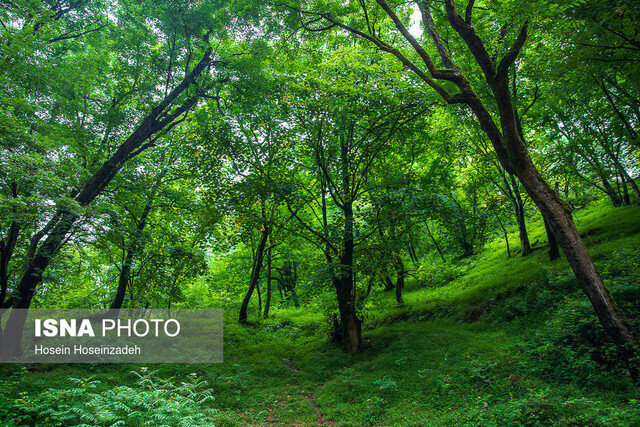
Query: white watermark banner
[111, 336]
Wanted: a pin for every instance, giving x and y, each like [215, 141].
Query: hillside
[510, 341]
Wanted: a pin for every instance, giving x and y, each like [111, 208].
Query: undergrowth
[489, 340]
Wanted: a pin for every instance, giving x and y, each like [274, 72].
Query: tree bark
[625, 190]
[6, 252]
[351, 324]
[349, 321]
[554, 251]
[611, 192]
[259, 297]
[255, 272]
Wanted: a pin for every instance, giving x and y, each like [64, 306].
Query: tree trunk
[136, 246]
[521, 219]
[435, 243]
[267, 302]
[259, 297]
[563, 227]
[294, 295]
[400, 279]
[412, 250]
[388, 283]
[372, 279]
[351, 324]
[467, 248]
[554, 251]
[634, 187]
[465, 243]
[632, 184]
[611, 192]
[506, 236]
[6, 252]
[349, 321]
[623, 190]
[506, 240]
[255, 273]
[123, 281]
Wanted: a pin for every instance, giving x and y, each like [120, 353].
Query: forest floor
[499, 341]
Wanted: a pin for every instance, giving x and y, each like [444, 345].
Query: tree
[506, 139]
[174, 99]
[347, 125]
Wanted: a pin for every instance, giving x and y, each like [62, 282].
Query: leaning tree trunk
[610, 191]
[411, 249]
[514, 157]
[623, 190]
[123, 281]
[259, 297]
[563, 227]
[255, 273]
[632, 184]
[369, 286]
[558, 216]
[6, 252]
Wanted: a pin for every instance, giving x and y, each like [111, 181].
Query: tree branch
[503, 67]
[469, 12]
[430, 26]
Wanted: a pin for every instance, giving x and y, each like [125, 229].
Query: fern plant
[154, 402]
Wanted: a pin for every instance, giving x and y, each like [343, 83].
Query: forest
[416, 212]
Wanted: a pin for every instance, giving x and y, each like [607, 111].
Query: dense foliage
[413, 183]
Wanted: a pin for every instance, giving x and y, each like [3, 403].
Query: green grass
[426, 362]
[492, 272]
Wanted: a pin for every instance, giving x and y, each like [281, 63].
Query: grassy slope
[491, 273]
[437, 368]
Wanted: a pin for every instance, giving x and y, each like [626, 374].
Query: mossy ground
[481, 349]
